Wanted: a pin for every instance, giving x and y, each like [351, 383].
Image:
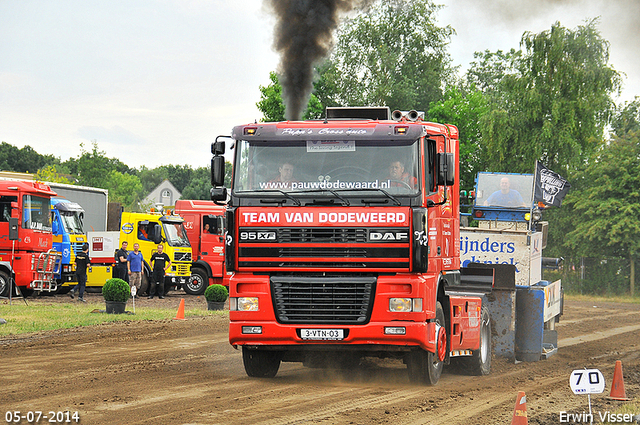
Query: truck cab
[26, 254]
[205, 225]
[343, 240]
[68, 237]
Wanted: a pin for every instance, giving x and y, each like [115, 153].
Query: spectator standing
[134, 266]
[82, 261]
[121, 262]
[160, 262]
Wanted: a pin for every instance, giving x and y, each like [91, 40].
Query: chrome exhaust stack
[412, 115]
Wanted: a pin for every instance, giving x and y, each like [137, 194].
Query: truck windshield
[504, 190]
[309, 166]
[176, 234]
[71, 222]
[36, 213]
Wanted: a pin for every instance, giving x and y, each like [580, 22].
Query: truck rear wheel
[4, 284]
[480, 362]
[423, 366]
[197, 283]
[261, 363]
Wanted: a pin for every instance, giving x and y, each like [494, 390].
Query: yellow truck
[148, 230]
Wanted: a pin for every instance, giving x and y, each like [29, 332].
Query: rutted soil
[185, 372]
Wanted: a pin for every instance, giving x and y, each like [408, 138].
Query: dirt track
[185, 372]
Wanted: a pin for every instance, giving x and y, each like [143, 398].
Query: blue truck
[68, 238]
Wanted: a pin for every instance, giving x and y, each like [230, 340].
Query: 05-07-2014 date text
[35, 416]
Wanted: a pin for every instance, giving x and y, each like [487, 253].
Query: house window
[166, 193]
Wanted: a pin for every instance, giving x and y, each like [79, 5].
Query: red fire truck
[343, 236]
[204, 223]
[26, 254]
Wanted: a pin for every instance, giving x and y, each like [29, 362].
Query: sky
[153, 82]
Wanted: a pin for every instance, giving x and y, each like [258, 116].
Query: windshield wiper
[387, 194]
[296, 201]
[345, 201]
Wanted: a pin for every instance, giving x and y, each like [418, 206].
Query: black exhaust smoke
[303, 37]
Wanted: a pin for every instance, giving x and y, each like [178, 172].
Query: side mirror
[13, 229]
[217, 170]
[446, 169]
[14, 209]
[155, 234]
[217, 148]
[55, 228]
[219, 194]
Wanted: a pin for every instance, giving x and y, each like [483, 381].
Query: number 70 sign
[587, 381]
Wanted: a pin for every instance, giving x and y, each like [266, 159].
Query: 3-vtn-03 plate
[322, 334]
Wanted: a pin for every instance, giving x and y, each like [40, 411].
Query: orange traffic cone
[520, 412]
[617, 387]
[180, 315]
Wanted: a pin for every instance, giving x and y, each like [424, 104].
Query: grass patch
[45, 316]
[603, 298]
[631, 407]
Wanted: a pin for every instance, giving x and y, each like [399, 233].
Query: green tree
[272, 106]
[553, 103]
[489, 69]
[178, 175]
[151, 178]
[392, 54]
[92, 168]
[23, 160]
[463, 108]
[628, 118]
[50, 173]
[604, 203]
[200, 186]
[125, 189]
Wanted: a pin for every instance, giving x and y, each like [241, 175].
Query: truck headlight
[243, 304]
[404, 305]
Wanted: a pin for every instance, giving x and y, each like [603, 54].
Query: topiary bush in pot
[116, 292]
[216, 295]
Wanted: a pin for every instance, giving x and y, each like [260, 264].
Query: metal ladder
[46, 265]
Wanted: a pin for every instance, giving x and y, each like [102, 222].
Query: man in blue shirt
[134, 265]
[505, 197]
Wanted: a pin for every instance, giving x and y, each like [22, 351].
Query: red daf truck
[343, 238]
[26, 254]
[204, 223]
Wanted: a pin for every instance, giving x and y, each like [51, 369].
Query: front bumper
[370, 337]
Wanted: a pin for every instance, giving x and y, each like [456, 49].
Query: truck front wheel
[423, 366]
[197, 283]
[261, 363]
[4, 284]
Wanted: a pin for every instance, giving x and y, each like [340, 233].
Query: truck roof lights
[250, 131]
[401, 129]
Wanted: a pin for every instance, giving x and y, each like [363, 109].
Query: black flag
[551, 187]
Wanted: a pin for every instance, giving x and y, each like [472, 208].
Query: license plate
[322, 334]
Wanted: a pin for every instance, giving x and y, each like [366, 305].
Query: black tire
[64, 289]
[26, 292]
[423, 367]
[197, 283]
[480, 362]
[261, 363]
[4, 284]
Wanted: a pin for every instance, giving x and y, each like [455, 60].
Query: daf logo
[388, 236]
